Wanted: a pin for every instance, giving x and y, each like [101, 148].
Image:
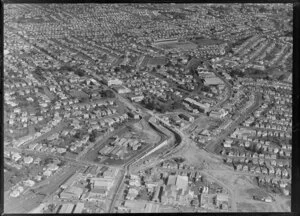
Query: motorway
[209, 147]
[118, 191]
[126, 167]
[183, 144]
[229, 92]
[126, 171]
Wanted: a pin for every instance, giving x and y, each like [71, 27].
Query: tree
[79, 72]
[77, 135]
[281, 77]
[179, 160]
[262, 10]
[205, 88]
[93, 136]
[51, 207]
[108, 93]
[176, 105]
[150, 106]
[48, 160]
[168, 64]
[66, 67]
[236, 73]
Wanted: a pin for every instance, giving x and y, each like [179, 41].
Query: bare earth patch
[195, 156]
[146, 132]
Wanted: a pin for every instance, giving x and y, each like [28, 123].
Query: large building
[182, 182]
[102, 183]
[213, 81]
[66, 208]
[78, 208]
[122, 89]
[71, 193]
[112, 81]
[171, 180]
[165, 40]
[137, 98]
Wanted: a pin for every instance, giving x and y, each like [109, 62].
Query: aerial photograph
[147, 108]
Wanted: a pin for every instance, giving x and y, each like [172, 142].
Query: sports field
[206, 42]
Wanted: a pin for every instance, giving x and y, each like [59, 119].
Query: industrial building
[71, 193]
[213, 81]
[182, 182]
[78, 208]
[122, 89]
[112, 81]
[66, 208]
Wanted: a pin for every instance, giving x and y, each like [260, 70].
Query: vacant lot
[201, 123]
[196, 157]
[145, 132]
[244, 189]
[256, 192]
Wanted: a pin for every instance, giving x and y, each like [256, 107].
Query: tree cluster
[108, 93]
[79, 72]
[93, 136]
[236, 73]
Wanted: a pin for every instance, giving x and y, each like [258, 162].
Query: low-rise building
[220, 113]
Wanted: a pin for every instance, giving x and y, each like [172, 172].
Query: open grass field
[206, 42]
[276, 73]
[193, 63]
[145, 61]
[157, 61]
[178, 45]
[21, 204]
[78, 94]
